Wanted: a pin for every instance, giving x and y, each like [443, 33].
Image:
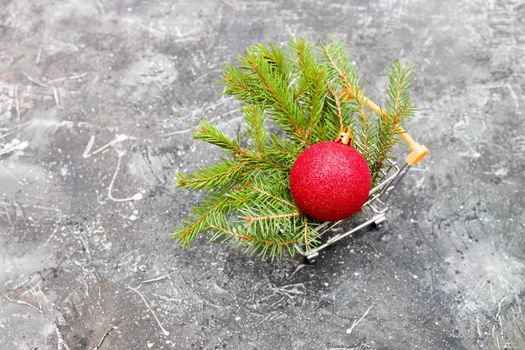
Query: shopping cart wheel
[378, 222]
[311, 259]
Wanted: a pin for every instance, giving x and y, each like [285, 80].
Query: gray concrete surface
[83, 267]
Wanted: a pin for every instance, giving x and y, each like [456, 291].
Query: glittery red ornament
[330, 181]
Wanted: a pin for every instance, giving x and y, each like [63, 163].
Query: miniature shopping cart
[374, 210]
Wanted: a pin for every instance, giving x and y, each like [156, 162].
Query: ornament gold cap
[345, 136]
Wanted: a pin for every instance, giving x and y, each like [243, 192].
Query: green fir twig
[294, 96]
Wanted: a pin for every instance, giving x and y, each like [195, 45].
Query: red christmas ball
[330, 181]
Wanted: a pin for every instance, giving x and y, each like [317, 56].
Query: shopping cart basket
[373, 212]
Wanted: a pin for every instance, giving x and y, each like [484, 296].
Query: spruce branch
[293, 97]
[398, 92]
[256, 129]
[190, 230]
[311, 89]
[303, 59]
[384, 142]
[251, 219]
[192, 227]
[241, 85]
[365, 128]
[343, 70]
[218, 176]
[283, 152]
[284, 110]
[305, 234]
[337, 106]
[211, 134]
[399, 109]
[274, 197]
[253, 243]
[275, 57]
[316, 101]
[272, 216]
[351, 94]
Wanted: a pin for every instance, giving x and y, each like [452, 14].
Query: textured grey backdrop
[81, 267]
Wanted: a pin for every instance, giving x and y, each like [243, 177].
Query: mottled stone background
[81, 269]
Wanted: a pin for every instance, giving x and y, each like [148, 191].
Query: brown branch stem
[245, 237]
[365, 129]
[305, 236]
[338, 106]
[202, 218]
[274, 197]
[312, 116]
[351, 90]
[269, 88]
[184, 182]
[251, 219]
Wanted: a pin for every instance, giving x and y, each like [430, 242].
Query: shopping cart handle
[417, 151]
